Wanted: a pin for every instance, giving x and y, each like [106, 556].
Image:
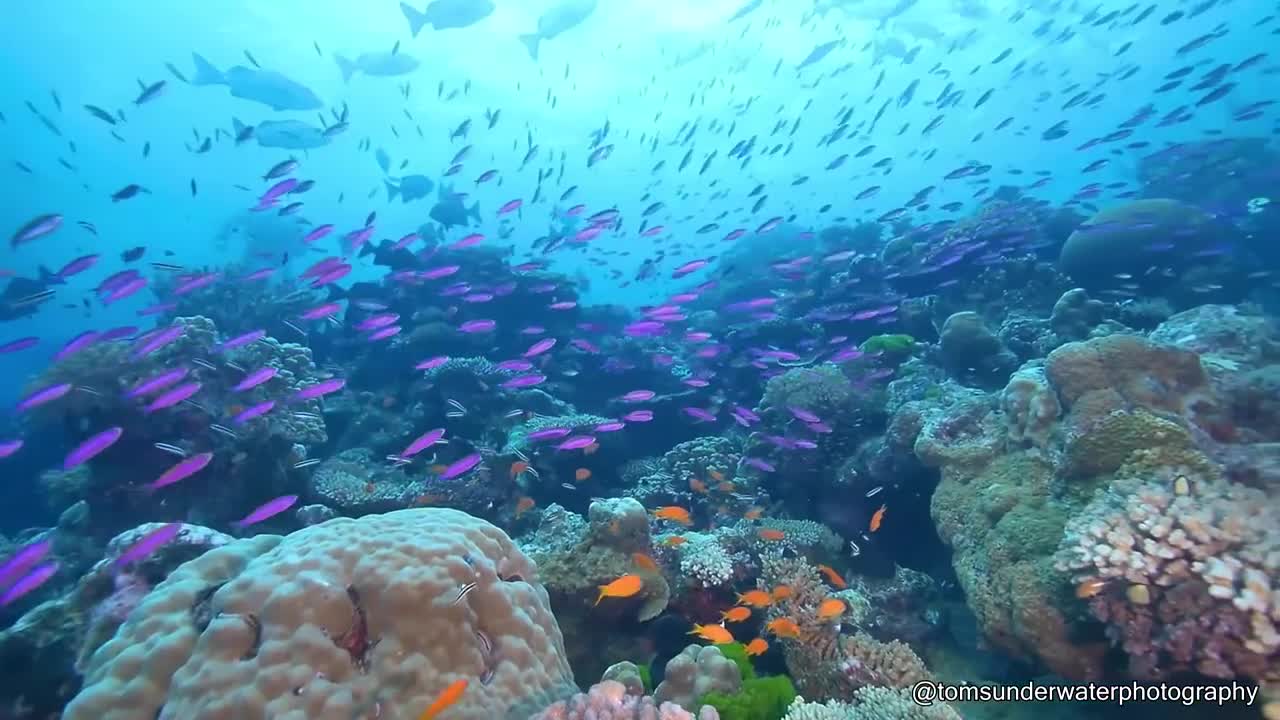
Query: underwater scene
[640, 360]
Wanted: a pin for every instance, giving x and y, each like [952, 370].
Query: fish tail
[391, 190]
[347, 67]
[49, 278]
[599, 598]
[531, 42]
[206, 73]
[416, 19]
[474, 212]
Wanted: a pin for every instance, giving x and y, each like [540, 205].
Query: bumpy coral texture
[695, 672]
[1189, 564]
[337, 620]
[871, 703]
[609, 700]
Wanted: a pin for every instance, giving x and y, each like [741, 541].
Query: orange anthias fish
[581, 474]
[755, 598]
[782, 592]
[757, 647]
[524, 505]
[715, 474]
[831, 607]
[674, 514]
[518, 467]
[833, 577]
[1090, 588]
[771, 534]
[725, 486]
[675, 540]
[712, 633]
[644, 562]
[697, 486]
[877, 518]
[736, 614]
[448, 697]
[623, 587]
[783, 628]
[754, 513]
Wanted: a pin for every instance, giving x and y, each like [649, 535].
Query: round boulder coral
[695, 672]
[1123, 239]
[334, 621]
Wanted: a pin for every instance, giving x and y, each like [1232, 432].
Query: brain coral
[339, 620]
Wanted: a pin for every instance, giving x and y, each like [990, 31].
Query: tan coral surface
[269, 628]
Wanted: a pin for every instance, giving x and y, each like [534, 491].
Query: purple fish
[439, 272]
[269, 509]
[540, 347]
[699, 414]
[533, 330]
[255, 378]
[157, 309]
[149, 543]
[638, 396]
[320, 389]
[577, 442]
[91, 447]
[253, 412]
[515, 365]
[820, 427]
[432, 362]
[77, 266]
[461, 466]
[76, 344]
[374, 322]
[19, 345]
[524, 381]
[42, 396]
[638, 416]
[321, 311]
[477, 326]
[157, 382]
[759, 464]
[37, 227]
[385, 333]
[804, 415]
[117, 333]
[429, 438]
[156, 340]
[184, 469]
[644, 328]
[585, 345]
[554, 433]
[23, 560]
[10, 447]
[172, 397]
[696, 382]
[30, 582]
[241, 340]
[196, 282]
[611, 426]
[128, 289]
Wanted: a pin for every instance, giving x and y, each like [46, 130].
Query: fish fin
[384, 160]
[416, 19]
[347, 67]
[48, 278]
[474, 212]
[391, 190]
[237, 127]
[206, 73]
[531, 42]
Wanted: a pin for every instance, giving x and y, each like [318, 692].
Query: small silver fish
[171, 449]
[521, 455]
[204, 364]
[89, 390]
[223, 430]
[514, 414]
[875, 491]
[485, 643]
[306, 463]
[305, 415]
[457, 405]
[234, 366]
[854, 550]
[397, 460]
[568, 486]
[295, 328]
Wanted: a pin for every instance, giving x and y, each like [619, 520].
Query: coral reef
[871, 703]
[610, 700]
[330, 620]
[694, 673]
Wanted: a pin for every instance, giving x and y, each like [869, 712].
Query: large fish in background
[264, 86]
[563, 17]
[446, 14]
[382, 64]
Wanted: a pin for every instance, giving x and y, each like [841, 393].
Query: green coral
[889, 344]
[646, 677]
[763, 698]
[737, 652]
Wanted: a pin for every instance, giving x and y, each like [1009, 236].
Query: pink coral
[609, 700]
[1185, 566]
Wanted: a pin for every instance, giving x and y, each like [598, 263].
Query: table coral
[338, 619]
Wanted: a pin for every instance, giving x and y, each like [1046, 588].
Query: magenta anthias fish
[515, 365]
[644, 328]
[549, 434]
[156, 340]
[540, 347]
[10, 447]
[255, 378]
[468, 241]
[149, 543]
[426, 440]
[477, 326]
[91, 447]
[158, 382]
[22, 561]
[611, 426]
[320, 389]
[461, 466]
[321, 312]
[439, 272]
[76, 344]
[19, 345]
[524, 381]
[510, 206]
[432, 362]
[267, 510]
[253, 412]
[638, 416]
[42, 396]
[386, 332]
[196, 282]
[699, 414]
[172, 397]
[184, 469]
[577, 442]
[241, 340]
[29, 582]
[317, 233]
[638, 396]
[377, 321]
[804, 415]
